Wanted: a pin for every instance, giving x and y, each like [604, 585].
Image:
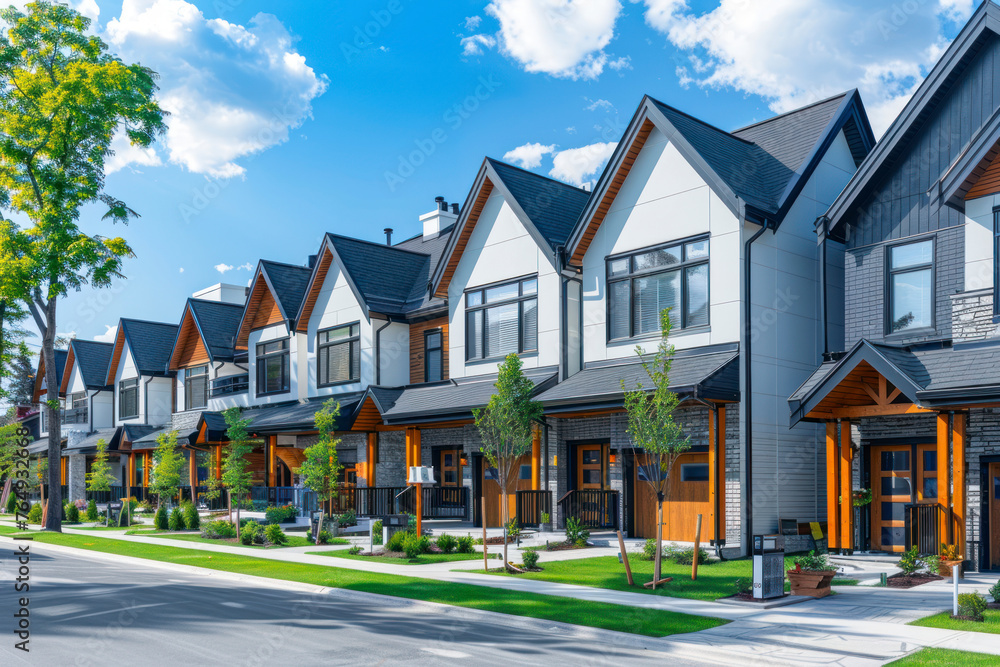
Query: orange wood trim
[218, 462]
[272, 459]
[721, 475]
[417, 351]
[846, 484]
[116, 355]
[262, 310]
[62, 471]
[190, 349]
[713, 472]
[943, 427]
[536, 459]
[463, 239]
[859, 411]
[370, 468]
[193, 469]
[131, 473]
[67, 371]
[958, 458]
[146, 458]
[832, 506]
[987, 183]
[315, 287]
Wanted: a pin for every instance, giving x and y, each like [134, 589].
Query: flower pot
[811, 583]
[944, 567]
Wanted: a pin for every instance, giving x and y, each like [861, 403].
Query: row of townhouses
[835, 321]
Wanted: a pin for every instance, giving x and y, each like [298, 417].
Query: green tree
[213, 485]
[236, 474]
[652, 428]
[63, 98]
[165, 477]
[100, 477]
[320, 470]
[20, 375]
[505, 428]
[15, 359]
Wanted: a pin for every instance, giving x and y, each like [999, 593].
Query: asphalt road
[89, 611]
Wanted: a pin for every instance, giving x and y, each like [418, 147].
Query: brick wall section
[972, 316]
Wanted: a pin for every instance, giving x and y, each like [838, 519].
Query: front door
[901, 475]
[450, 465]
[689, 496]
[993, 480]
[590, 466]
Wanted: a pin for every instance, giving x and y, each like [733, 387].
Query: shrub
[191, 518]
[11, 503]
[251, 533]
[649, 550]
[995, 592]
[160, 519]
[146, 505]
[280, 514]
[72, 514]
[465, 544]
[218, 530]
[447, 543]
[948, 552]
[972, 605]
[176, 521]
[684, 555]
[513, 531]
[530, 559]
[932, 563]
[324, 537]
[576, 532]
[395, 542]
[813, 561]
[743, 586]
[274, 534]
[35, 514]
[348, 518]
[355, 550]
[411, 523]
[909, 562]
[92, 514]
[414, 545]
[377, 532]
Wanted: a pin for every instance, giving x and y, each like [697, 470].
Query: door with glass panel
[450, 467]
[901, 475]
[993, 491]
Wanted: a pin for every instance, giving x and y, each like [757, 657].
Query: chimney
[441, 203]
[438, 219]
[454, 208]
[388, 235]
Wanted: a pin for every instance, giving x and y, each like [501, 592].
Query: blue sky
[296, 118]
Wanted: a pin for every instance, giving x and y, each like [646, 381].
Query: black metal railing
[531, 505]
[304, 499]
[115, 493]
[445, 502]
[233, 384]
[73, 416]
[594, 508]
[438, 502]
[923, 527]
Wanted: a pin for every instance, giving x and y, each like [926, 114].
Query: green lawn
[944, 621]
[293, 540]
[424, 559]
[714, 581]
[650, 622]
[940, 657]
[118, 528]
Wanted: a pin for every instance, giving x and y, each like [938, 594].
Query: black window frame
[284, 354]
[188, 374]
[996, 264]
[427, 353]
[131, 388]
[320, 347]
[483, 306]
[889, 294]
[681, 267]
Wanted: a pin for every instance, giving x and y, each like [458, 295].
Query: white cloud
[126, 155]
[109, 335]
[181, 270]
[577, 165]
[245, 267]
[475, 44]
[792, 52]
[232, 90]
[957, 10]
[603, 105]
[222, 268]
[619, 64]
[528, 156]
[472, 22]
[564, 38]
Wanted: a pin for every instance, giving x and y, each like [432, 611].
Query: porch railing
[439, 502]
[594, 508]
[100, 497]
[531, 505]
[922, 527]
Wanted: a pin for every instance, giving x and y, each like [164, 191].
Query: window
[694, 472]
[195, 387]
[642, 284]
[501, 319]
[339, 355]
[75, 411]
[128, 398]
[911, 286]
[996, 261]
[433, 356]
[272, 367]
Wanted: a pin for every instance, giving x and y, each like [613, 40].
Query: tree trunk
[504, 513]
[53, 517]
[659, 543]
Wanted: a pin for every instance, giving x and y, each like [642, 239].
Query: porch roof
[928, 376]
[287, 417]
[709, 373]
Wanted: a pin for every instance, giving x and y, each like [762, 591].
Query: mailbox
[392, 524]
[768, 566]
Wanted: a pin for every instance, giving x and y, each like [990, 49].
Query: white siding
[979, 242]
[336, 305]
[267, 334]
[394, 354]
[226, 369]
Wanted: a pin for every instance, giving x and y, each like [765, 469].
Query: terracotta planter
[944, 567]
[812, 583]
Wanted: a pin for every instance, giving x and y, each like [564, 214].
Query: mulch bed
[911, 580]
[993, 605]
[564, 546]
[499, 540]
[965, 618]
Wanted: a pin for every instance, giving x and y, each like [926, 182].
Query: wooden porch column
[536, 458]
[193, 473]
[713, 472]
[943, 428]
[958, 497]
[131, 475]
[272, 461]
[846, 485]
[720, 475]
[218, 462]
[370, 466]
[832, 488]
[145, 469]
[62, 470]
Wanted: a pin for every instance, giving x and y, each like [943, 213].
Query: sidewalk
[858, 626]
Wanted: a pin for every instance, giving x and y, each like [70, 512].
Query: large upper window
[195, 387]
[911, 286]
[642, 284]
[433, 356]
[996, 261]
[128, 398]
[339, 355]
[272, 367]
[501, 319]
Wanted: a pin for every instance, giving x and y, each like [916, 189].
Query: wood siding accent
[116, 355]
[681, 509]
[832, 488]
[190, 349]
[491, 492]
[67, 371]
[988, 182]
[958, 474]
[609, 196]
[463, 239]
[39, 376]
[368, 417]
[292, 456]
[315, 287]
[262, 310]
[417, 332]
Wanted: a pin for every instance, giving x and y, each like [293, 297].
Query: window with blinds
[339, 355]
[433, 356]
[642, 284]
[128, 398]
[272, 367]
[195, 387]
[501, 319]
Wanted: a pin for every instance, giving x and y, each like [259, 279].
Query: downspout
[378, 352]
[823, 297]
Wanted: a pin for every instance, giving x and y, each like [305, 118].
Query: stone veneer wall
[180, 421]
[972, 316]
[391, 467]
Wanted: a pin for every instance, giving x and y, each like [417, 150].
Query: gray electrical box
[768, 566]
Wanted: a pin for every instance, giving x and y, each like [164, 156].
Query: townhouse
[908, 389]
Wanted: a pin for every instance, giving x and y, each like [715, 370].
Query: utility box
[392, 524]
[768, 566]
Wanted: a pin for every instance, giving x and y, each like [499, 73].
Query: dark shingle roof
[391, 280]
[151, 344]
[60, 364]
[552, 206]
[287, 417]
[219, 322]
[89, 441]
[434, 247]
[93, 358]
[289, 282]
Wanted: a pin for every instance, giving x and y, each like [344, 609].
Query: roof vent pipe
[441, 203]
[454, 208]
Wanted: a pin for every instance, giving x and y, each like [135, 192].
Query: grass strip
[621, 618]
[991, 624]
[293, 540]
[941, 657]
[423, 559]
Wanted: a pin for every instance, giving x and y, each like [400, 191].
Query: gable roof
[286, 286]
[60, 357]
[758, 171]
[214, 324]
[92, 358]
[149, 343]
[434, 247]
[983, 25]
[547, 208]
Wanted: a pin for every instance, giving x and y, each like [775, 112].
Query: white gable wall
[337, 305]
[265, 335]
[127, 371]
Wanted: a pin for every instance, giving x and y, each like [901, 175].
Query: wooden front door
[521, 480]
[689, 497]
[450, 465]
[591, 466]
[993, 480]
[901, 475]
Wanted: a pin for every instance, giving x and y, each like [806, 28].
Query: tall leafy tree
[63, 98]
[505, 428]
[100, 477]
[652, 428]
[320, 471]
[20, 376]
[236, 474]
[165, 477]
[15, 359]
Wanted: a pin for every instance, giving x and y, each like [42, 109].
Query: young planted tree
[651, 426]
[236, 474]
[505, 427]
[320, 471]
[63, 98]
[165, 477]
[213, 485]
[100, 477]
